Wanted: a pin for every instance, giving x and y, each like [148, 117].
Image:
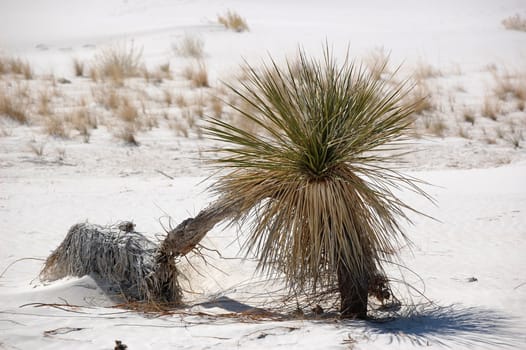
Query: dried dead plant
[54, 125]
[127, 134]
[78, 67]
[233, 21]
[127, 111]
[122, 257]
[44, 99]
[198, 75]
[190, 46]
[469, 115]
[13, 106]
[490, 108]
[118, 62]
[515, 22]
[424, 71]
[37, 148]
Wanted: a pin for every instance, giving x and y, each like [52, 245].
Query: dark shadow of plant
[452, 326]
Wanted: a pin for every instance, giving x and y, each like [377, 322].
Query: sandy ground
[469, 261]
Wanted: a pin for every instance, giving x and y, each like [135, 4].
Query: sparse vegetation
[37, 147]
[55, 126]
[127, 134]
[469, 116]
[190, 46]
[437, 127]
[490, 108]
[197, 75]
[515, 22]
[233, 21]
[117, 63]
[13, 107]
[78, 67]
[127, 111]
[10, 65]
[425, 71]
[510, 85]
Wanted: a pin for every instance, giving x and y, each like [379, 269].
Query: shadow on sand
[453, 325]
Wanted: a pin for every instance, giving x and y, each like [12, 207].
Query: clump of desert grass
[117, 62]
[313, 183]
[515, 22]
[233, 21]
[78, 67]
[510, 85]
[425, 71]
[197, 75]
[13, 106]
[55, 125]
[16, 66]
[191, 46]
[127, 133]
[491, 107]
[84, 122]
[469, 116]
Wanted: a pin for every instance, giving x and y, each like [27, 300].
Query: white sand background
[480, 189]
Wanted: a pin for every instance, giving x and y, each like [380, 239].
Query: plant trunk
[353, 293]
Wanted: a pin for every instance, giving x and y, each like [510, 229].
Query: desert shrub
[55, 126]
[13, 107]
[233, 21]
[118, 62]
[313, 184]
[515, 22]
[78, 67]
[198, 75]
[190, 46]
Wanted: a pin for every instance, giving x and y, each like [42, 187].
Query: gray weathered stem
[191, 231]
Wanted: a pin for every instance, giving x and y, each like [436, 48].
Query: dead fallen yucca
[126, 259]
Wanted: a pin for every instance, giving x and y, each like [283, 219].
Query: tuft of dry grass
[78, 67]
[13, 107]
[462, 132]
[167, 97]
[490, 108]
[233, 21]
[83, 122]
[54, 126]
[469, 116]
[190, 46]
[107, 97]
[515, 22]
[37, 148]
[117, 63]
[510, 85]
[16, 66]
[127, 111]
[197, 75]
[421, 98]
[425, 71]
[21, 67]
[376, 62]
[127, 134]
[43, 103]
[216, 106]
[437, 127]
[180, 101]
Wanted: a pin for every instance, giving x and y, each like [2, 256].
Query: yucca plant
[315, 183]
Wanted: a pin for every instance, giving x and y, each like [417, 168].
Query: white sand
[479, 188]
